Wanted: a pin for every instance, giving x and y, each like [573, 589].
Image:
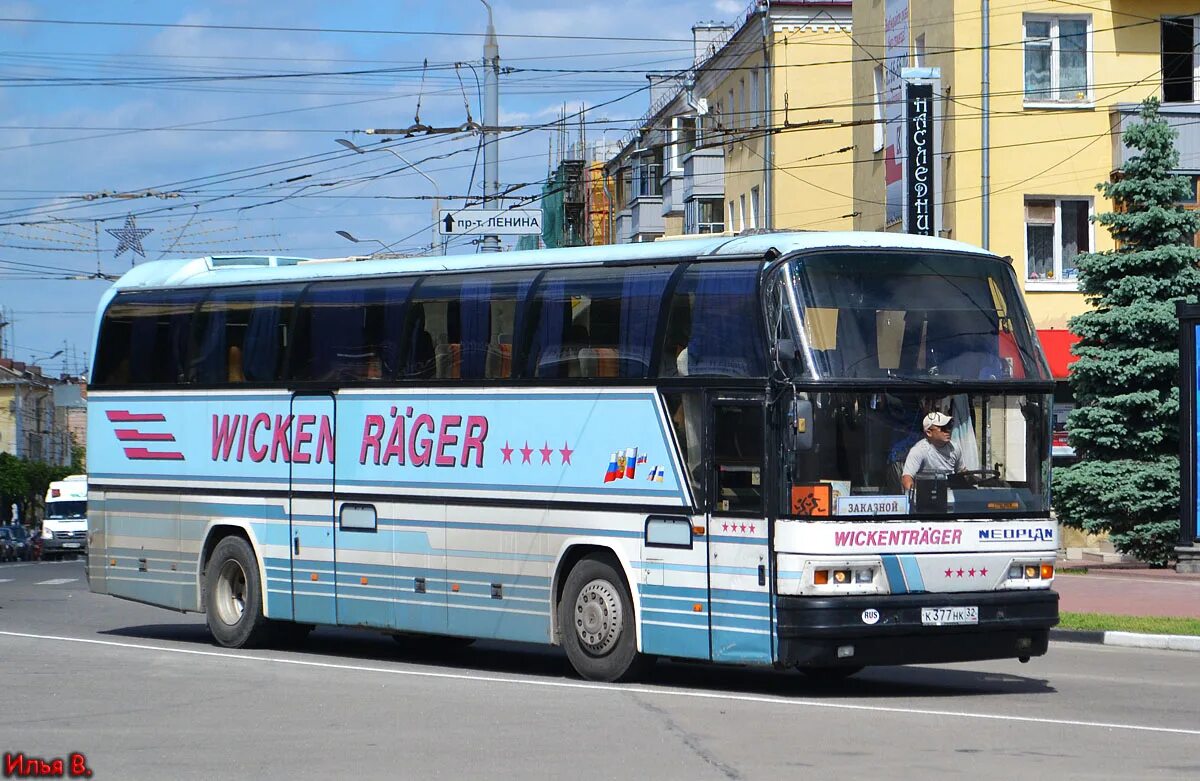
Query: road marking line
[6, 580]
[56, 581]
[619, 689]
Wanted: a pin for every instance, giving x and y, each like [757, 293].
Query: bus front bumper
[834, 632]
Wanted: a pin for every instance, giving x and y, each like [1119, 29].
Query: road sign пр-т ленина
[490, 222]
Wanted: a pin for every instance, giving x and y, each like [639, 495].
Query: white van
[64, 529]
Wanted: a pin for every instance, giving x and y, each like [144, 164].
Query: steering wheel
[973, 477]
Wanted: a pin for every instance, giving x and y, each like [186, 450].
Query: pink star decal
[960, 573]
[743, 528]
[949, 572]
[971, 572]
[526, 452]
[565, 452]
[545, 450]
[507, 451]
[725, 527]
[983, 572]
[752, 528]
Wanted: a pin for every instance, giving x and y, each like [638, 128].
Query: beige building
[28, 427]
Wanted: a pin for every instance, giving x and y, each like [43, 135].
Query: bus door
[311, 508]
[739, 560]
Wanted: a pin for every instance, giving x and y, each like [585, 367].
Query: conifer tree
[1126, 425]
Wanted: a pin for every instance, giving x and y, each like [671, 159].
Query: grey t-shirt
[925, 458]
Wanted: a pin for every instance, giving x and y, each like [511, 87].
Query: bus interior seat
[235, 372]
[498, 363]
[448, 360]
[598, 362]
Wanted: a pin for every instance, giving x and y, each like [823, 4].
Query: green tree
[1126, 425]
[14, 484]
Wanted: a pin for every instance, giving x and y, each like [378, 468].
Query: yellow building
[757, 134]
[1032, 98]
[778, 96]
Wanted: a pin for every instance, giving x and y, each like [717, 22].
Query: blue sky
[213, 123]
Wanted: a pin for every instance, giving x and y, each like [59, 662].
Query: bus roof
[232, 270]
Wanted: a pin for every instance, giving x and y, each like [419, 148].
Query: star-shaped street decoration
[129, 237]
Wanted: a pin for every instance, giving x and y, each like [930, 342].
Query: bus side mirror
[799, 429]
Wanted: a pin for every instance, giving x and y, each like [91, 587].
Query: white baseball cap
[935, 419]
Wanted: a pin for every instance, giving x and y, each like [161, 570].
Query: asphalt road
[143, 693]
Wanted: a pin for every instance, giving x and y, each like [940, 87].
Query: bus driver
[935, 454]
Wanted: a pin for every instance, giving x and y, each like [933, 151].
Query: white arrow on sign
[490, 222]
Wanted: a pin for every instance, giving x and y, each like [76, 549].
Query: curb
[1128, 639]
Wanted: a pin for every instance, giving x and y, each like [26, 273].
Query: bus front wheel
[234, 596]
[597, 624]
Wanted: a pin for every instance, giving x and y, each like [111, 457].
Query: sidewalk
[1126, 590]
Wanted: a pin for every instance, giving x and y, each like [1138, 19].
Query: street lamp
[437, 198]
[350, 237]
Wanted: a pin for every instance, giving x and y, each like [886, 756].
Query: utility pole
[491, 120]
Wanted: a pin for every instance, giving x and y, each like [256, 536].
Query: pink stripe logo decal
[137, 435]
[133, 435]
[125, 416]
[142, 454]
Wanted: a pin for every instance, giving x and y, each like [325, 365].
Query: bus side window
[144, 339]
[597, 322]
[715, 308]
[241, 335]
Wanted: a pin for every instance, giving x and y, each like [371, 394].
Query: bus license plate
[941, 616]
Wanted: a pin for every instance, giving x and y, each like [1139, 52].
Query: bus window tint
[145, 339]
[342, 332]
[713, 323]
[596, 322]
[243, 335]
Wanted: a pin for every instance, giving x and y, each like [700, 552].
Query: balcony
[1183, 117]
[646, 217]
[704, 174]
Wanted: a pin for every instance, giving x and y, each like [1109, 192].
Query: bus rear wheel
[234, 596]
[595, 618]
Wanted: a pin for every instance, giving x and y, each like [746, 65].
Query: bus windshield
[915, 315]
[858, 448]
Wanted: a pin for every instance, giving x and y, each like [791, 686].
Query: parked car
[23, 542]
[8, 546]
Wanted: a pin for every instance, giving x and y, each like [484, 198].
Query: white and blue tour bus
[689, 449]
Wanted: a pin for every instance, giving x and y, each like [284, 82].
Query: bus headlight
[1030, 574]
[849, 577]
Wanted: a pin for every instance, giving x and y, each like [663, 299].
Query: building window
[1181, 59]
[732, 121]
[1056, 230]
[743, 107]
[1057, 59]
[742, 212]
[754, 207]
[755, 100]
[877, 128]
[703, 215]
[647, 173]
[919, 58]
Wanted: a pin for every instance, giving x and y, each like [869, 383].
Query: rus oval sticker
[870, 616]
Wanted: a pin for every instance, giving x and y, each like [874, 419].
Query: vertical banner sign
[919, 181]
[895, 59]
